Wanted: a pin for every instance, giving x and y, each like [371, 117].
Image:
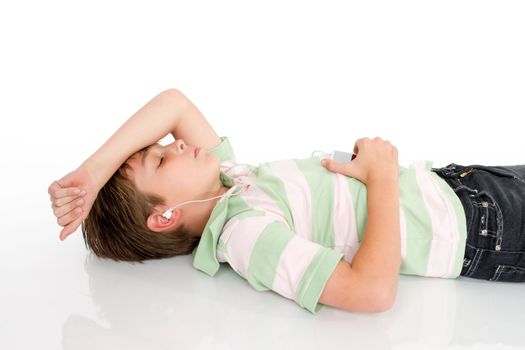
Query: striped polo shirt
[288, 223]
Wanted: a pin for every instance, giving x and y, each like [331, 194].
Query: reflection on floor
[80, 302]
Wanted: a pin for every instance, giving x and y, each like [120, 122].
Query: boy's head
[126, 223]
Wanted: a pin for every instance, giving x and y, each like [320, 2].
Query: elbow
[383, 304]
[173, 93]
[374, 301]
[384, 300]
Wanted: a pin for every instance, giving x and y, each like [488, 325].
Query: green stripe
[418, 224]
[204, 255]
[321, 198]
[266, 254]
[221, 247]
[315, 278]
[239, 208]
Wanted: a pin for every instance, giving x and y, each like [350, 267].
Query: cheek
[215, 162]
[178, 176]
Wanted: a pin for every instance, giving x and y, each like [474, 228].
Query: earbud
[167, 214]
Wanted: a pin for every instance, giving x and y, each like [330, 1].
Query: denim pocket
[506, 273]
[488, 215]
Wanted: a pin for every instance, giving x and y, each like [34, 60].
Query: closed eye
[160, 163]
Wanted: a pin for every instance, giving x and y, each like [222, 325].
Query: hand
[375, 159]
[72, 198]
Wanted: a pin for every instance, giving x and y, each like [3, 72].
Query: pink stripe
[344, 226]
[298, 195]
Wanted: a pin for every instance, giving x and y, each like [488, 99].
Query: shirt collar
[205, 254]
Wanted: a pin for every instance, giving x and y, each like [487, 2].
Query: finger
[70, 228]
[359, 143]
[356, 149]
[63, 192]
[63, 201]
[70, 216]
[53, 187]
[64, 209]
[337, 167]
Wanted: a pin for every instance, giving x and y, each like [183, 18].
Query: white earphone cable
[167, 214]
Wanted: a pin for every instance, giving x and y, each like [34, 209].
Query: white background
[442, 80]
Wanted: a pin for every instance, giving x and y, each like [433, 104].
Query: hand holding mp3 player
[373, 159]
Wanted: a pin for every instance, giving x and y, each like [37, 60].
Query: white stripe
[297, 192]
[241, 242]
[443, 228]
[345, 230]
[346, 239]
[257, 199]
[454, 229]
[295, 260]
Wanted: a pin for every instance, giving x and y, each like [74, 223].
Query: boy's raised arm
[152, 122]
[156, 119]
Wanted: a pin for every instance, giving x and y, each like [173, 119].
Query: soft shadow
[168, 304]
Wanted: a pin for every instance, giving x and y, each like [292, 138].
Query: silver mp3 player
[342, 157]
[338, 156]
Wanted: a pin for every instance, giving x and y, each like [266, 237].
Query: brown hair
[115, 227]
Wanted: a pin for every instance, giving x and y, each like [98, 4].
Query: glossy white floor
[55, 296]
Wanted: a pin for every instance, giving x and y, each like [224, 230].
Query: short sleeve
[270, 256]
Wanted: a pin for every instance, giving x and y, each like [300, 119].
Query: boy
[315, 237]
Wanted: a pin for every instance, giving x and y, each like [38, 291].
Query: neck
[201, 212]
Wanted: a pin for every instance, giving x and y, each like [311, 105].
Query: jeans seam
[503, 267]
[474, 264]
[495, 251]
[496, 275]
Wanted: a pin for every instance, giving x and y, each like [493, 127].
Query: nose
[180, 147]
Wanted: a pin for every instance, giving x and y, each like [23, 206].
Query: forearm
[148, 125]
[378, 259]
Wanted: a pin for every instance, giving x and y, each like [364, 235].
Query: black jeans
[494, 201]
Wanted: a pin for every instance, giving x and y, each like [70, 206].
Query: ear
[157, 223]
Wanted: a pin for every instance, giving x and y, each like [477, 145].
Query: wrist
[96, 172]
[383, 179]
